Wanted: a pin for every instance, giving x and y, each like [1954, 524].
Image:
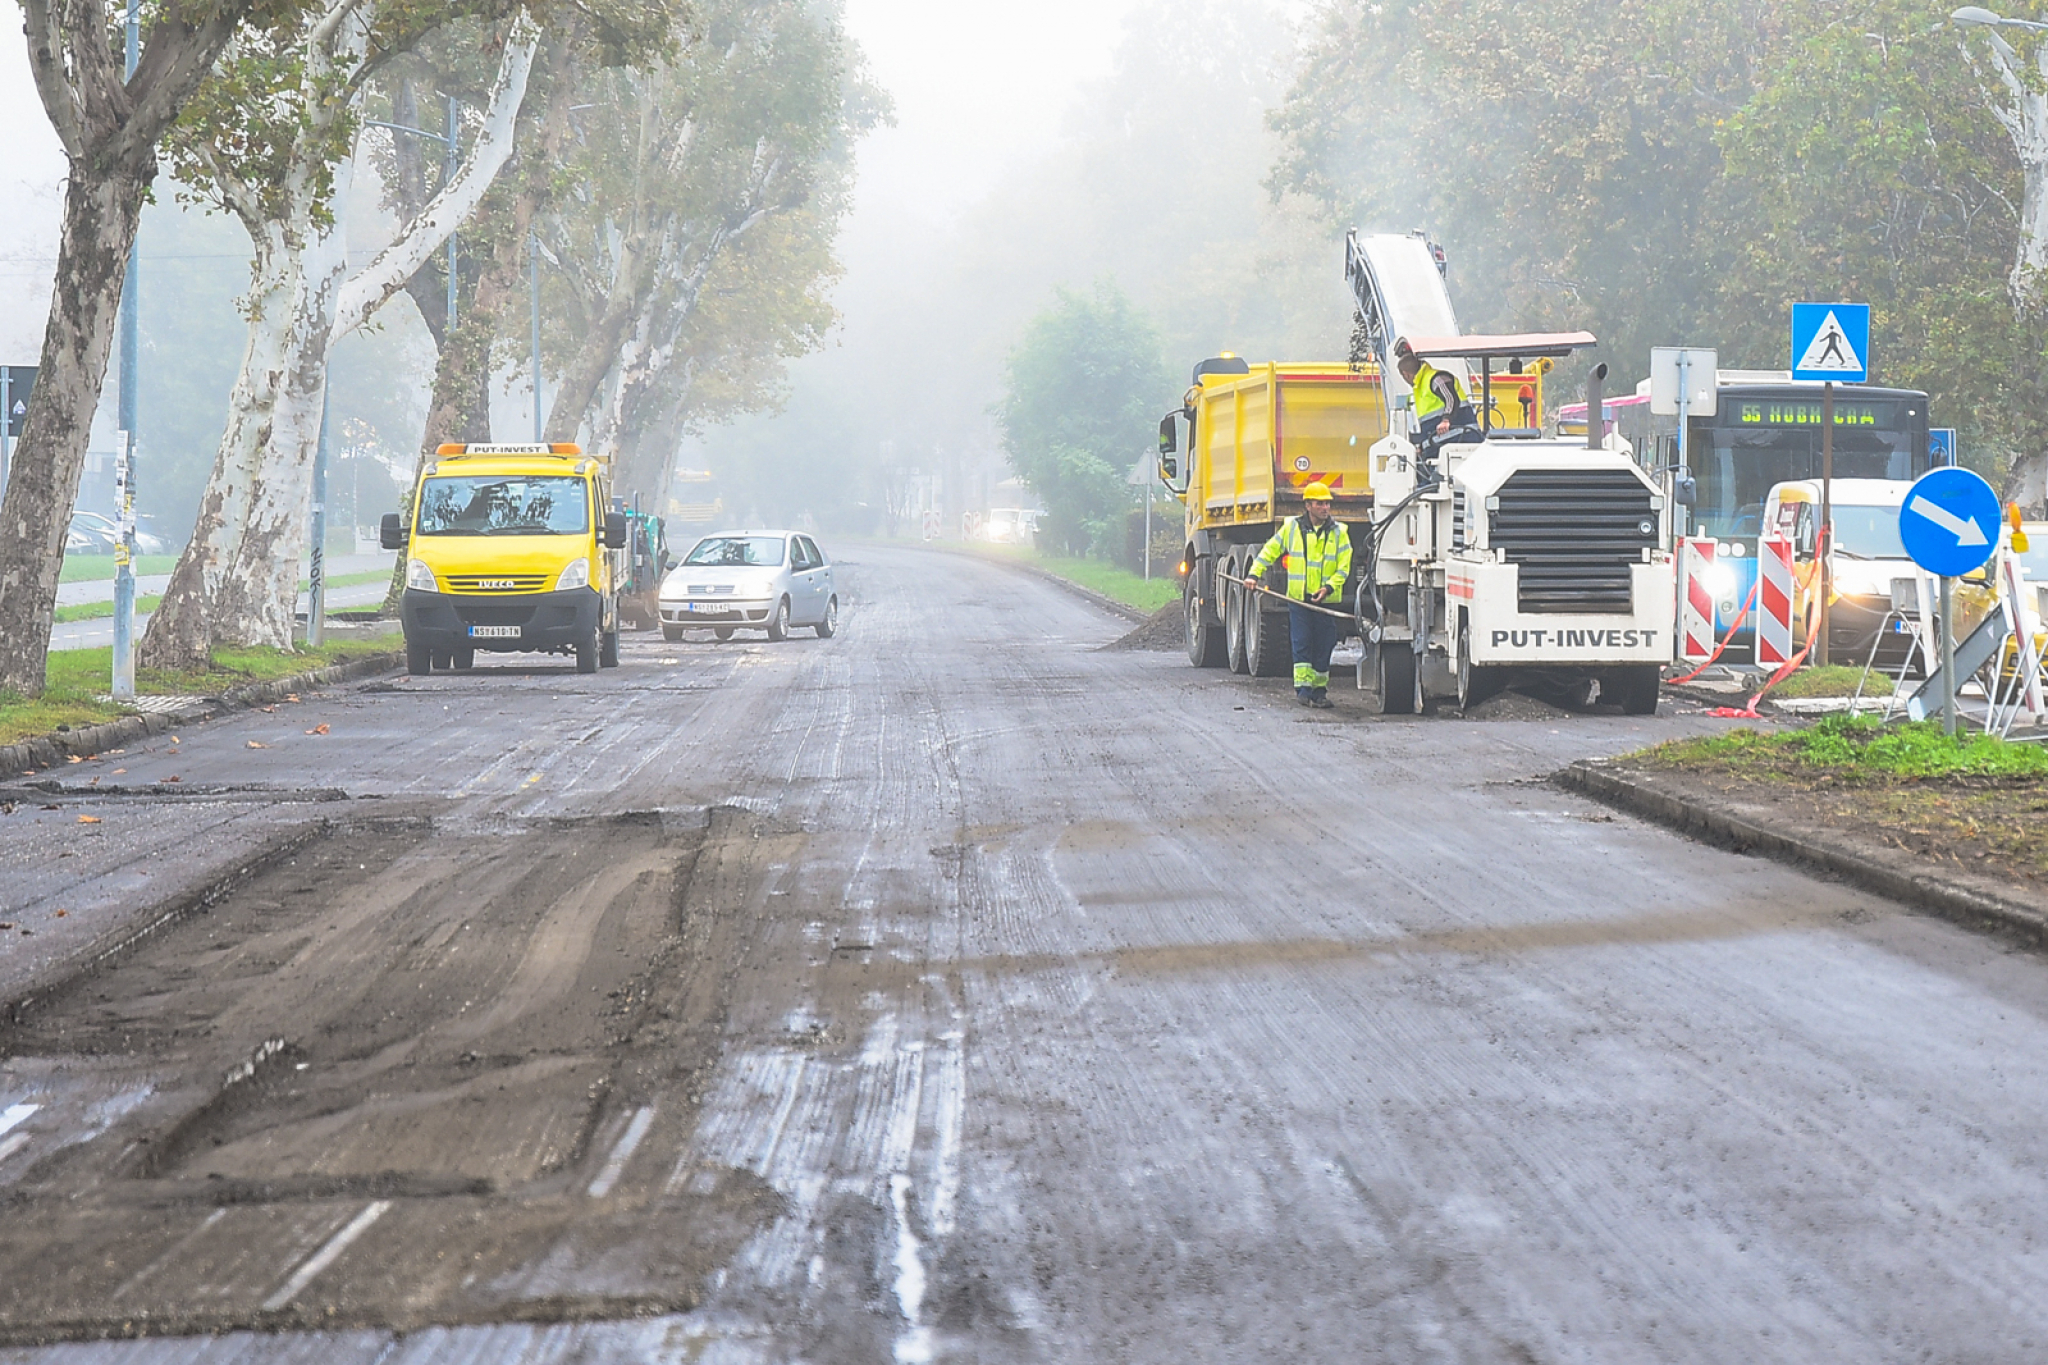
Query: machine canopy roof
[1527, 346]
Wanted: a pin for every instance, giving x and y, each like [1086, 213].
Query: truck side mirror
[615, 530]
[391, 532]
[1169, 438]
[1169, 468]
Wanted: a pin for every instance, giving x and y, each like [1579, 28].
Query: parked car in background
[103, 531]
[761, 580]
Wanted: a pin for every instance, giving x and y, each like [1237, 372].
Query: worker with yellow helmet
[1316, 550]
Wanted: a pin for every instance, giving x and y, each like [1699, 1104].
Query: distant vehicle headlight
[1719, 580]
[577, 575]
[418, 576]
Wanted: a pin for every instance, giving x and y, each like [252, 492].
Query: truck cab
[510, 548]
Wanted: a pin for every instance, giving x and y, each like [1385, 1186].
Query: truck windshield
[486, 505]
[1868, 532]
[738, 552]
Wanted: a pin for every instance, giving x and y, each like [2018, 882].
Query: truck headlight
[577, 575]
[419, 577]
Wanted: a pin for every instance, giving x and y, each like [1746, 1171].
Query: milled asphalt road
[955, 990]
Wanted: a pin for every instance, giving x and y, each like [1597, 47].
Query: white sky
[981, 87]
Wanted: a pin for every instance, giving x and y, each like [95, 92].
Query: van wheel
[419, 660]
[778, 624]
[721, 633]
[828, 625]
[586, 652]
[608, 650]
[465, 659]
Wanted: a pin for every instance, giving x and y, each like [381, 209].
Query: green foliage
[1666, 172]
[1865, 747]
[1079, 406]
[1835, 680]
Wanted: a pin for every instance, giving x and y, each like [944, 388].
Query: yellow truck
[510, 548]
[1256, 436]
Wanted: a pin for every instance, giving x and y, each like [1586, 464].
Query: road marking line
[622, 1152]
[326, 1255]
[16, 1114]
[12, 1145]
[176, 1248]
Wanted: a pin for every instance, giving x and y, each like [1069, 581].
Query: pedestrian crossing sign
[1831, 341]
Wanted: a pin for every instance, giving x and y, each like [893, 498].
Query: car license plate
[494, 632]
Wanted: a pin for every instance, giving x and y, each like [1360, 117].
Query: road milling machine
[1497, 557]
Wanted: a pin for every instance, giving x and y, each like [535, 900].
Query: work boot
[1321, 700]
[1306, 696]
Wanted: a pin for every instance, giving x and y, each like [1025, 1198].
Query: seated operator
[1443, 413]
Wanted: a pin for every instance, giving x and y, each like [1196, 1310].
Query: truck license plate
[494, 632]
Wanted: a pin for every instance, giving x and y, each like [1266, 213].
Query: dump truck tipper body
[1257, 436]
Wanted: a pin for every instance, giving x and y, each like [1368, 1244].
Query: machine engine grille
[1573, 533]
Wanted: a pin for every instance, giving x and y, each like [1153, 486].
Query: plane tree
[109, 125]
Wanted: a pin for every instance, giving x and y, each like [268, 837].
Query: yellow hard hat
[1316, 492]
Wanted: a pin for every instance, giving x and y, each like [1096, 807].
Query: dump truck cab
[510, 548]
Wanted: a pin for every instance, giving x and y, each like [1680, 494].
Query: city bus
[1766, 431]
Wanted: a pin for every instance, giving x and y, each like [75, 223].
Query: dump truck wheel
[1268, 650]
[1394, 678]
[1205, 640]
[1234, 605]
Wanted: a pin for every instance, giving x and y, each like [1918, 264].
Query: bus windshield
[1766, 436]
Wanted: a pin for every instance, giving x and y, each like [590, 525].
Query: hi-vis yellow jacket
[1313, 558]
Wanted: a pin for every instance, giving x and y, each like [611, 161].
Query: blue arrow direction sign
[1831, 341]
[1949, 522]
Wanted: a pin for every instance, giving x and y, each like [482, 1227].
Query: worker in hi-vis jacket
[1316, 549]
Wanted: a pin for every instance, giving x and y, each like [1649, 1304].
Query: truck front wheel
[1475, 684]
[1205, 638]
[586, 652]
[419, 660]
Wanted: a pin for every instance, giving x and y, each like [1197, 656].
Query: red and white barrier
[1773, 603]
[1695, 600]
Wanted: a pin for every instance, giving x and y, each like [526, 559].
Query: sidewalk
[102, 589]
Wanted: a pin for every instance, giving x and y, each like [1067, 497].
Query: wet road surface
[954, 990]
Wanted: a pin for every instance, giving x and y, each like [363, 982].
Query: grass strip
[97, 611]
[1856, 747]
[97, 568]
[1112, 581]
[1834, 680]
[78, 678]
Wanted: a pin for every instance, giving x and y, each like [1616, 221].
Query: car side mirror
[615, 530]
[391, 532]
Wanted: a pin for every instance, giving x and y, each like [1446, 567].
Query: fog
[1060, 146]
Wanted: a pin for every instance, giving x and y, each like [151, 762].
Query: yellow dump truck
[1256, 435]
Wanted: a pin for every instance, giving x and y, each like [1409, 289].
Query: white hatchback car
[758, 580]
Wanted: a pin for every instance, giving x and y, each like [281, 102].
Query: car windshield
[1868, 532]
[738, 552]
[482, 505]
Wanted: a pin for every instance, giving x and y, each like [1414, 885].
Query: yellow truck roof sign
[481, 448]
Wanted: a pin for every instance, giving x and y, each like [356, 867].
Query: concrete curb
[1888, 872]
[45, 751]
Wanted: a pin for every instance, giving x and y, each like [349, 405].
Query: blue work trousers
[1313, 636]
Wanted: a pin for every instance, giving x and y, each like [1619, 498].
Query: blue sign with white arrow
[1831, 341]
[1949, 522]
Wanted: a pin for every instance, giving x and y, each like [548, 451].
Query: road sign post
[1949, 526]
[1831, 344]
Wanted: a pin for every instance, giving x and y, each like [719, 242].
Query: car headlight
[577, 575]
[419, 577]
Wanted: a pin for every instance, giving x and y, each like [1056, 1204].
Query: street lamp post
[533, 265]
[449, 159]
